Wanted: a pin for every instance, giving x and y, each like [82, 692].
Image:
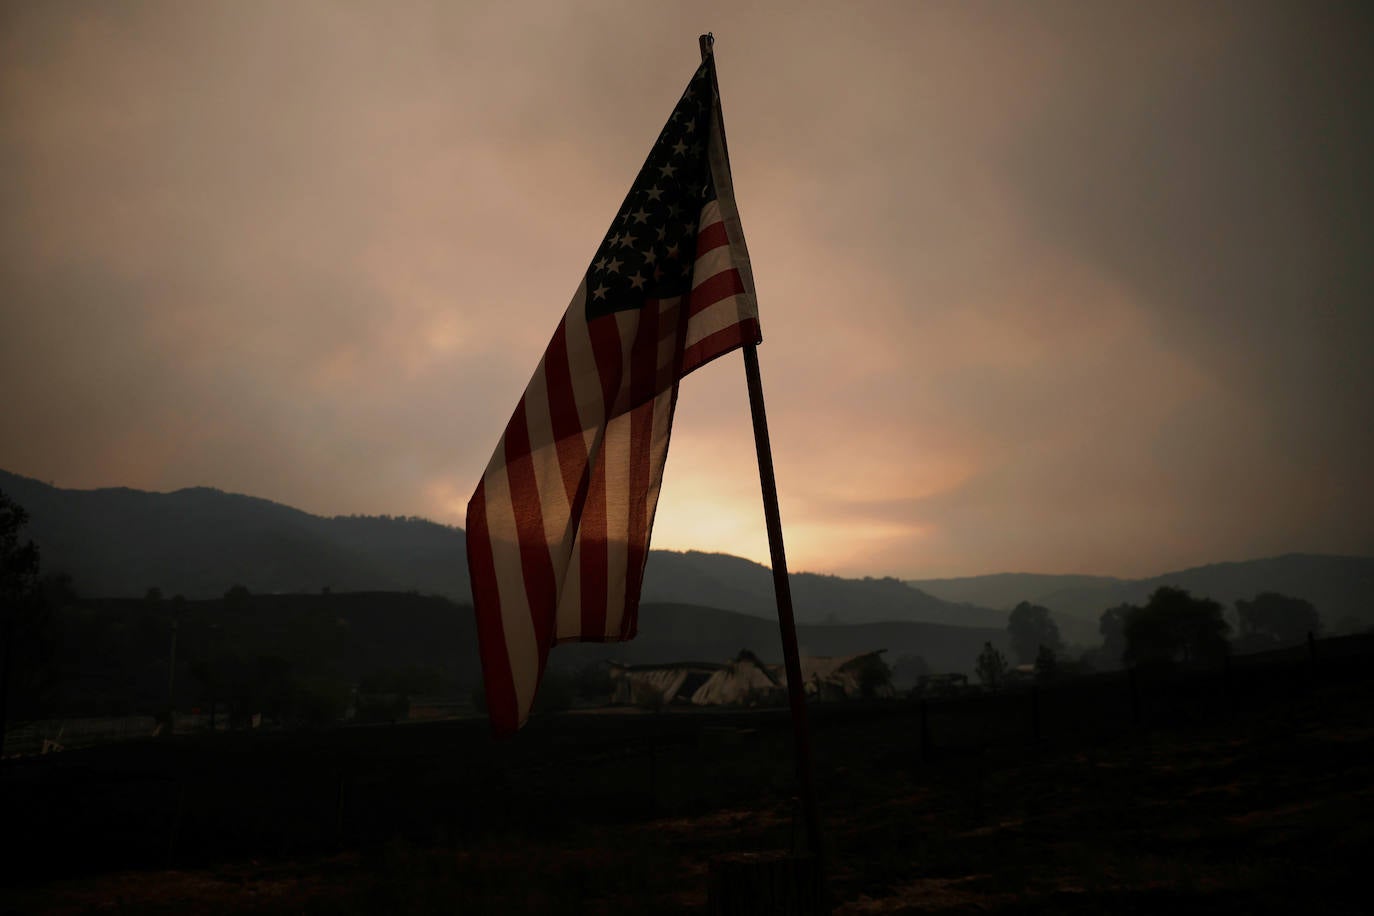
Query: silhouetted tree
[1275, 619]
[992, 666]
[1046, 664]
[875, 677]
[18, 562]
[1112, 626]
[237, 595]
[28, 626]
[153, 595]
[1173, 626]
[1029, 628]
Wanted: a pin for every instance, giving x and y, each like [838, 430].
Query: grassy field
[1249, 793]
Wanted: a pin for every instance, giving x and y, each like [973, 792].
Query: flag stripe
[496, 672]
[563, 417]
[559, 527]
[720, 343]
[592, 535]
[521, 647]
[710, 236]
[528, 508]
[710, 291]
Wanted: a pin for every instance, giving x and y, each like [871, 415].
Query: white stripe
[711, 263]
[710, 213]
[617, 456]
[548, 474]
[626, 324]
[658, 456]
[521, 647]
[726, 313]
[586, 381]
[569, 621]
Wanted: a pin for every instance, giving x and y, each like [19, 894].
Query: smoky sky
[1063, 287]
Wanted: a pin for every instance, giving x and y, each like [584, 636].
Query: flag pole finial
[707, 44]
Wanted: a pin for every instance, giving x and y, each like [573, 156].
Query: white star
[674, 210]
[639, 215]
[672, 250]
[600, 292]
[662, 233]
[654, 193]
[614, 240]
[691, 126]
[627, 240]
[600, 265]
[649, 256]
[614, 266]
[637, 282]
[679, 147]
[668, 170]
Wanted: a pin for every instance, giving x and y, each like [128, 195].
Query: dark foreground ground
[1255, 796]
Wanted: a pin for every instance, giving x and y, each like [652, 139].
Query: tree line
[1172, 628]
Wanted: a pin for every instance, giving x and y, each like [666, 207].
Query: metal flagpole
[781, 586]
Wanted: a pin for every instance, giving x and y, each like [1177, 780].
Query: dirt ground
[1268, 809]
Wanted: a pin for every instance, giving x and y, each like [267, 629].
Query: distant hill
[198, 542]
[1006, 590]
[1339, 587]
[721, 580]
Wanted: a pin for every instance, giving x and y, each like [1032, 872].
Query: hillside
[114, 651]
[199, 542]
[721, 580]
[1006, 590]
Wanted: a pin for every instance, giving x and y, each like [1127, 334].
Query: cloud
[1059, 287]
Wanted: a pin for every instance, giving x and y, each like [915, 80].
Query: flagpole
[781, 585]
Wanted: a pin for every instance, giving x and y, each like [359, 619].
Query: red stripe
[723, 285]
[644, 356]
[536, 565]
[710, 238]
[720, 343]
[671, 328]
[641, 440]
[491, 635]
[567, 427]
[592, 532]
[605, 335]
[643, 386]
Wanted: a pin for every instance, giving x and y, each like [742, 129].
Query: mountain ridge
[200, 541]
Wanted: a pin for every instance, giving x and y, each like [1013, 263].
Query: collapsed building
[747, 681]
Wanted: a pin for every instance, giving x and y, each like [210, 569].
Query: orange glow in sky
[1053, 287]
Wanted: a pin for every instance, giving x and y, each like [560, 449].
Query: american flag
[558, 528]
